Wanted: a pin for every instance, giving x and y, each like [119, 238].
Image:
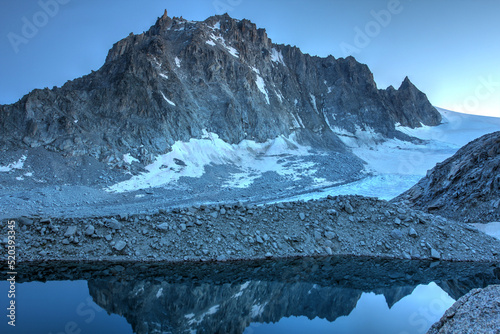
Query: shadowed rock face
[221, 75]
[465, 187]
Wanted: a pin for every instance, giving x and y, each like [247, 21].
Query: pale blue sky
[449, 49]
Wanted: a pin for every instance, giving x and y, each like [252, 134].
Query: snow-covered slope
[245, 161]
[394, 166]
[456, 128]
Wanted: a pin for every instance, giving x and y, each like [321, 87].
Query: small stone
[269, 255]
[222, 211]
[25, 221]
[401, 211]
[397, 221]
[70, 231]
[114, 224]
[329, 235]
[108, 237]
[348, 208]
[435, 254]
[221, 258]
[412, 233]
[332, 212]
[214, 214]
[302, 216]
[182, 227]
[205, 251]
[90, 230]
[259, 239]
[163, 227]
[120, 245]
[317, 235]
[396, 234]
[328, 250]
[198, 222]
[46, 221]
[65, 242]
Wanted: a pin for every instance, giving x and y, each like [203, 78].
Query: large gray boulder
[475, 313]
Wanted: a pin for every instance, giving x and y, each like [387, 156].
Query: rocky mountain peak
[221, 75]
[407, 84]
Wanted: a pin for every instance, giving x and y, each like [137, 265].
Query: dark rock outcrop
[221, 75]
[465, 187]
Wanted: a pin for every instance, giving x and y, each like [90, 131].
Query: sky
[450, 49]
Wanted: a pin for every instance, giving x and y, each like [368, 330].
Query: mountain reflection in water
[327, 294]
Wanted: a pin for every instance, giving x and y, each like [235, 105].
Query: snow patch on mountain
[164, 97]
[251, 159]
[262, 87]
[128, 158]
[313, 102]
[223, 42]
[15, 165]
[277, 56]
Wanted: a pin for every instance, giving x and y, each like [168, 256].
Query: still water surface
[329, 295]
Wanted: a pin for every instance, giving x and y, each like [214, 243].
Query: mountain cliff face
[181, 78]
[465, 187]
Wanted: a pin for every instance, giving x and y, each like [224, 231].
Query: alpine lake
[298, 295]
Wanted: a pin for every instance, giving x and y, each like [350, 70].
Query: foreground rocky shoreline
[342, 225]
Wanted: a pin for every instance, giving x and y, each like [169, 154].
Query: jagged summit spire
[406, 84]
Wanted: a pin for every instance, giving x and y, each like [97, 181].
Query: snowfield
[394, 166]
[188, 159]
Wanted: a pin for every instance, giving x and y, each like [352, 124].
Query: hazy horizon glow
[449, 50]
